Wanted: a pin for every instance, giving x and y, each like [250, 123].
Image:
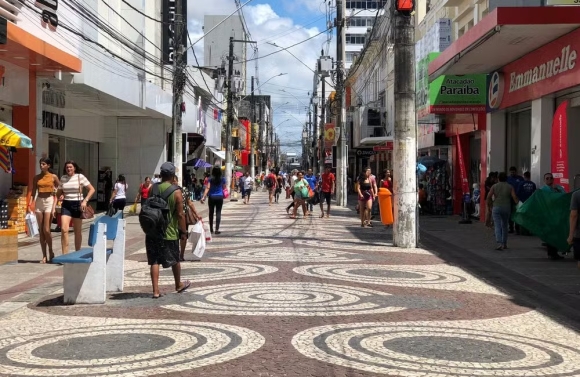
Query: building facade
[98, 96]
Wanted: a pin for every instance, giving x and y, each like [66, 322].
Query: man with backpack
[163, 220]
[271, 183]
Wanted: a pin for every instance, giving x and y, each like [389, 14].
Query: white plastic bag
[206, 232]
[31, 225]
[199, 246]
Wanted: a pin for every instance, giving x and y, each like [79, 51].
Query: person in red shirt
[327, 187]
[271, 182]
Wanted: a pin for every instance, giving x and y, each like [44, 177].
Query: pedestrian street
[274, 296]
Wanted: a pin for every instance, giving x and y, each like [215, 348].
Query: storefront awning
[28, 51]
[372, 141]
[504, 35]
[218, 153]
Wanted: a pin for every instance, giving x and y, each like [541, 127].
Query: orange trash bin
[386, 206]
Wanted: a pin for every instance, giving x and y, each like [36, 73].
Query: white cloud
[267, 26]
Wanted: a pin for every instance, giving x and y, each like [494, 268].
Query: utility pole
[341, 183]
[315, 138]
[308, 143]
[405, 145]
[322, 122]
[230, 113]
[178, 86]
[252, 120]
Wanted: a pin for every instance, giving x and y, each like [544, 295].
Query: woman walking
[280, 181]
[215, 193]
[119, 195]
[43, 187]
[365, 198]
[74, 204]
[143, 192]
[500, 197]
[300, 190]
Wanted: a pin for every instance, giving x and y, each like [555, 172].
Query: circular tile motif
[288, 254]
[356, 245]
[287, 299]
[435, 350]
[124, 348]
[201, 272]
[407, 276]
[237, 242]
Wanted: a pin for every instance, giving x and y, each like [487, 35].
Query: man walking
[525, 189]
[164, 249]
[327, 187]
[311, 179]
[247, 184]
[271, 185]
[514, 180]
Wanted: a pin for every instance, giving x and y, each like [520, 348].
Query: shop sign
[365, 152]
[49, 8]
[168, 41]
[449, 94]
[495, 88]
[329, 134]
[562, 2]
[53, 121]
[549, 69]
[387, 147]
[54, 98]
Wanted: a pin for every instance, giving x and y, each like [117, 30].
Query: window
[355, 39]
[349, 57]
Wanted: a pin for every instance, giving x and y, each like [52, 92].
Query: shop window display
[436, 183]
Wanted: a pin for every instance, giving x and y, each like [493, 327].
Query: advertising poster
[559, 164]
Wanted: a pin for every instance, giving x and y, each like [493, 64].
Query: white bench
[91, 272]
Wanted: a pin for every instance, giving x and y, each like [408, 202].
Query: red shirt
[273, 178]
[144, 191]
[327, 180]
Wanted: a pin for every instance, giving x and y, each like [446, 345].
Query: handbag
[189, 217]
[89, 212]
[226, 193]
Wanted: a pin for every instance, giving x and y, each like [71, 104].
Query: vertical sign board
[168, 37]
[462, 171]
[559, 165]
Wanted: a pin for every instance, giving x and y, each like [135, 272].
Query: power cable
[142, 13]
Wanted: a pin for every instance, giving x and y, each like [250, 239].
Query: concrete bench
[91, 272]
[116, 254]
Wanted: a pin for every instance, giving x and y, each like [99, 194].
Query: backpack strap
[170, 190]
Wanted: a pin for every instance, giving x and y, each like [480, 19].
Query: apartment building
[361, 16]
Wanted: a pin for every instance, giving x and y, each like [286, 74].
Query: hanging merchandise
[436, 182]
[6, 159]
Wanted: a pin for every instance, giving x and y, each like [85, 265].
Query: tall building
[216, 43]
[361, 17]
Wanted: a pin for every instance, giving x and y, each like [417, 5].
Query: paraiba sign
[449, 94]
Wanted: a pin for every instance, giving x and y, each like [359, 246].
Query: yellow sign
[562, 2]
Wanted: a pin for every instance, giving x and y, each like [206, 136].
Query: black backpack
[269, 182]
[154, 215]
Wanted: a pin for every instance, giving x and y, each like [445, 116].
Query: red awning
[504, 35]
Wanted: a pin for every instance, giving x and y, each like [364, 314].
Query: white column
[475, 13]
[496, 142]
[542, 114]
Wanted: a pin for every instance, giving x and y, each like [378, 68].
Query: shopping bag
[31, 225]
[133, 208]
[206, 232]
[226, 193]
[199, 246]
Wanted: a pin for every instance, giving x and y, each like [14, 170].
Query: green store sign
[448, 94]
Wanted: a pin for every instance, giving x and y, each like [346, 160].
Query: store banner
[559, 164]
[462, 171]
[329, 133]
[448, 94]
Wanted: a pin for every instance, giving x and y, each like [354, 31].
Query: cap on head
[167, 168]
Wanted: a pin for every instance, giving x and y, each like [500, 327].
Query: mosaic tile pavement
[281, 297]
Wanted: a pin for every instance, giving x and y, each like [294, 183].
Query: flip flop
[186, 284]
[156, 297]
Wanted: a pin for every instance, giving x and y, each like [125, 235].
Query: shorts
[326, 196]
[71, 208]
[161, 251]
[247, 192]
[44, 205]
[576, 245]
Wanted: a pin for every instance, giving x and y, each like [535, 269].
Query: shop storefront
[451, 120]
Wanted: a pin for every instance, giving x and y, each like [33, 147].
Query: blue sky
[284, 23]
